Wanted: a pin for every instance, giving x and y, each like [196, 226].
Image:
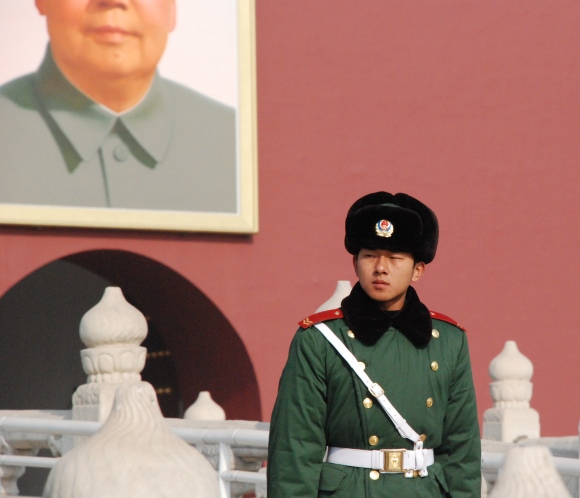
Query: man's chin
[118, 61]
[388, 303]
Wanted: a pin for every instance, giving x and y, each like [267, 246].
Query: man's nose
[381, 265]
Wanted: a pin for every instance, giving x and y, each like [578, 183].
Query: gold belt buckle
[393, 460]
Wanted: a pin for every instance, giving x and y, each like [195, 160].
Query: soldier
[377, 398]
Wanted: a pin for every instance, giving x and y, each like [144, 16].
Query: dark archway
[192, 347]
[198, 349]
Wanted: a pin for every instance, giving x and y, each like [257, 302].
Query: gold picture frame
[243, 221]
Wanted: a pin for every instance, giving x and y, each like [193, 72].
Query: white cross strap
[405, 430]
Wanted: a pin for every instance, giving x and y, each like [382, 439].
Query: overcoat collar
[364, 317]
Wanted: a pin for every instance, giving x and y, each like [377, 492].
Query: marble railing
[235, 450]
[115, 442]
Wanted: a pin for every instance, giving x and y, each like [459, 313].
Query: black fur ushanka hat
[398, 223]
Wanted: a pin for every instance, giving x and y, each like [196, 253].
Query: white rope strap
[405, 430]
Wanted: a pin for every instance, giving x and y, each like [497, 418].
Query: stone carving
[204, 408]
[112, 331]
[511, 418]
[529, 472]
[343, 288]
[9, 475]
[511, 373]
[135, 454]
[262, 489]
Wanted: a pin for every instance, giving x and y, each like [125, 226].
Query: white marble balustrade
[115, 411]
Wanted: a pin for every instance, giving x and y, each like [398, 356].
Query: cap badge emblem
[384, 228]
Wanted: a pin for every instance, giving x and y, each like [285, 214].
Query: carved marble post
[511, 418]
[529, 471]
[112, 331]
[134, 454]
[342, 290]
[9, 475]
[204, 408]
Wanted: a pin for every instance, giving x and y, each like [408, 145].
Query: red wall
[471, 106]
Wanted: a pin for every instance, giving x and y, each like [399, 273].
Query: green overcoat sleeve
[460, 450]
[297, 441]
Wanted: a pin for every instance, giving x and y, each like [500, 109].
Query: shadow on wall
[192, 347]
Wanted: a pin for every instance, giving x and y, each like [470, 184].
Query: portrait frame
[243, 221]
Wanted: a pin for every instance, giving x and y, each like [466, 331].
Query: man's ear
[354, 263]
[418, 270]
[41, 7]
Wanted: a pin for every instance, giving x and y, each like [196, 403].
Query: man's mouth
[110, 33]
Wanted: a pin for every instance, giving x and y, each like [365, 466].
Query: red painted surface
[473, 107]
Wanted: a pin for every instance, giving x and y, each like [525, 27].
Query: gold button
[429, 402]
[367, 402]
[350, 333]
[373, 440]
[422, 437]
[374, 475]
[435, 333]
[362, 365]
[434, 366]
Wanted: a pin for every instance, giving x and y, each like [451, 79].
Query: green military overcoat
[321, 402]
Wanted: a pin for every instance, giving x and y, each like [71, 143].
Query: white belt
[385, 461]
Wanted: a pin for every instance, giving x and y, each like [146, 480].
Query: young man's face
[112, 38]
[385, 275]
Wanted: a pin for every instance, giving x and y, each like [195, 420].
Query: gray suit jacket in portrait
[175, 150]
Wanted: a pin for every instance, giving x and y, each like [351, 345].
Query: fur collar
[369, 322]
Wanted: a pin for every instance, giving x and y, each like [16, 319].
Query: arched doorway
[192, 346]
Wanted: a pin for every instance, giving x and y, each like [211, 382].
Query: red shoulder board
[320, 317]
[445, 318]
